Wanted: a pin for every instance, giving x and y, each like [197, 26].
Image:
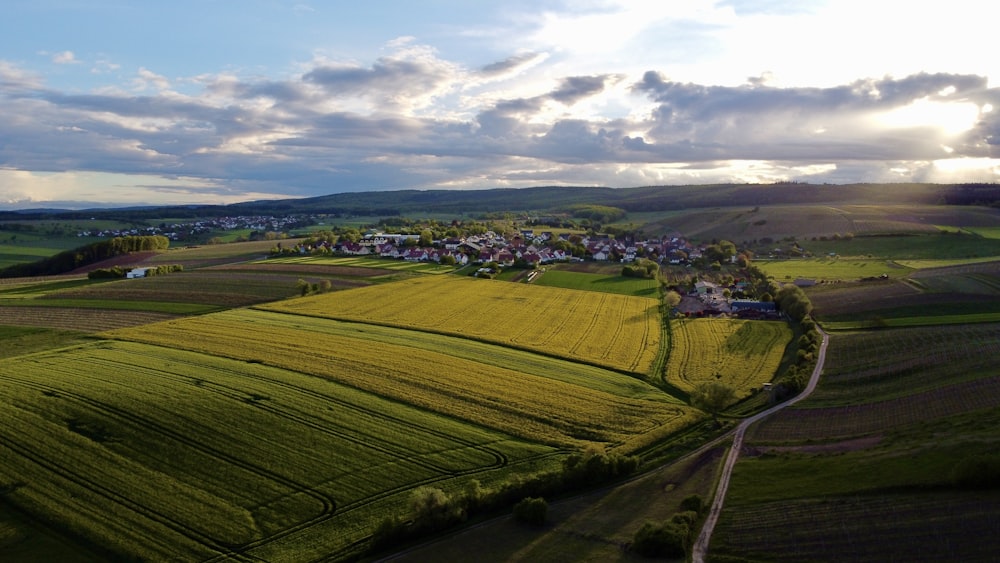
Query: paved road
[701, 545]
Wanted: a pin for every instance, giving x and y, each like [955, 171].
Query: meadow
[830, 269]
[554, 321]
[611, 283]
[742, 354]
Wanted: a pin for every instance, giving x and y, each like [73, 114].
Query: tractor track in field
[328, 503]
[500, 459]
[243, 552]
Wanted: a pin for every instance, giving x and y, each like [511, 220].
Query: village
[530, 250]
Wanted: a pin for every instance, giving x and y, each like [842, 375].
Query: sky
[129, 102]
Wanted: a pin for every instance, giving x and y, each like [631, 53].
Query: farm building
[136, 273]
[747, 305]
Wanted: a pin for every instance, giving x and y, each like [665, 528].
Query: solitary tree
[713, 397]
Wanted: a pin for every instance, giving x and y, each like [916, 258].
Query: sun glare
[950, 117]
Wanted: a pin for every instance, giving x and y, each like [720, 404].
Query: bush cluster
[673, 537]
[642, 268]
[531, 511]
[977, 472]
[119, 272]
[92, 253]
[433, 510]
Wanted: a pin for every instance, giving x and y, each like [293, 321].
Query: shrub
[660, 540]
[977, 472]
[693, 503]
[531, 511]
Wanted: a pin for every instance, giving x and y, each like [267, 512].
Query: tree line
[69, 260]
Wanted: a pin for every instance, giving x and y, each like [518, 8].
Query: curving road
[701, 545]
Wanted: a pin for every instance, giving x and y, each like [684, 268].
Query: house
[704, 287]
[748, 305]
[136, 273]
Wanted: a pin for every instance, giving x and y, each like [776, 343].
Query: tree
[531, 511]
[713, 397]
[672, 299]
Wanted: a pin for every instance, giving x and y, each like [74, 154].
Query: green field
[829, 269]
[269, 435]
[598, 282]
[366, 262]
[165, 453]
[867, 460]
[939, 246]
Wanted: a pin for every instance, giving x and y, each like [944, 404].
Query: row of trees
[119, 272]
[432, 509]
[70, 260]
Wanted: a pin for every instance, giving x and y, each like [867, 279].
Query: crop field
[865, 462]
[27, 247]
[829, 269]
[77, 318]
[211, 254]
[638, 287]
[625, 335]
[366, 262]
[865, 528]
[519, 393]
[742, 354]
[198, 290]
[940, 246]
[165, 454]
[871, 366]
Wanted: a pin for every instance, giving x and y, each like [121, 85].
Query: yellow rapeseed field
[742, 354]
[535, 407]
[617, 331]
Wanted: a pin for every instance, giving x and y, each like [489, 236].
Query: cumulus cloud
[410, 119]
[64, 58]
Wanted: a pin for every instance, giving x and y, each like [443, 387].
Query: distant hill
[560, 198]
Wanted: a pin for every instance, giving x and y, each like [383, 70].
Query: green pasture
[926, 320]
[939, 246]
[31, 248]
[925, 264]
[638, 287]
[829, 269]
[165, 454]
[985, 232]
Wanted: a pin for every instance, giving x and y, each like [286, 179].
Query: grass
[885, 320]
[829, 269]
[939, 246]
[22, 340]
[597, 282]
[590, 527]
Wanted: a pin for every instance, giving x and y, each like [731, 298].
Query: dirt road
[701, 544]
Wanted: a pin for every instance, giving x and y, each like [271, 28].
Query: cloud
[412, 119]
[64, 58]
[404, 81]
